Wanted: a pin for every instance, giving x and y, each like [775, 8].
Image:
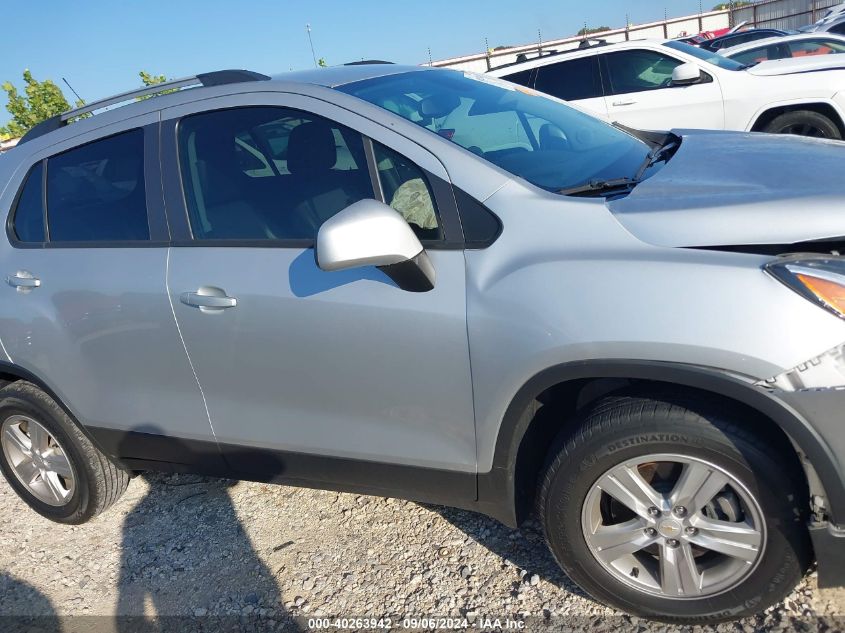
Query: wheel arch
[520, 438]
[10, 372]
[822, 106]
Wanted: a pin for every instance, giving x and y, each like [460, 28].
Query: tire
[765, 490]
[804, 123]
[95, 482]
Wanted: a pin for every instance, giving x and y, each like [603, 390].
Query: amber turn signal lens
[827, 291]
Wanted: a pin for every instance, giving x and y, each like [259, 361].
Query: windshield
[707, 56]
[533, 136]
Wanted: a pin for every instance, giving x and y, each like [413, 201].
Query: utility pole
[311, 42]
[430, 63]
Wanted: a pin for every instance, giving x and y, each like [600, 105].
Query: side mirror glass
[370, 233]
[686, 74]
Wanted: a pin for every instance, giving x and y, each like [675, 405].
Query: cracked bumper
[824, 411]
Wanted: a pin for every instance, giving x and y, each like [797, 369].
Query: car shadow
[524, 547]
[188, 564]
[307, 279]
[24, 608]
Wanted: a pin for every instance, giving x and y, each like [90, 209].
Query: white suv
[663, 84]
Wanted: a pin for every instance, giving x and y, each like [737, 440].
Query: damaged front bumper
[815, 391]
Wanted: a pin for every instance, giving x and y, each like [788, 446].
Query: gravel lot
[270, 557]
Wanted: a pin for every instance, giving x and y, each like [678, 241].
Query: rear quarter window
[28, 214]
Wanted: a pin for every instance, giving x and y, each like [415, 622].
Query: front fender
[496, 488]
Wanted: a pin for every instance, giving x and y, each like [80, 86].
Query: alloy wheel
[674, 526]
[37, 460]
[804, 129]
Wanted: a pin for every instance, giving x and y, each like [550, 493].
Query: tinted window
[96, 192]
[542, 140]
[637, 70]
[816, 47]
[761, 54]
[570, 80]
[29, 211]
[523, 78]
[708, 56]
[406, 189]
[267, 173]
[839, 28]
[740, 38]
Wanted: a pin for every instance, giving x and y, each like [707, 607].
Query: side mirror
[370, 233]
[686, 74]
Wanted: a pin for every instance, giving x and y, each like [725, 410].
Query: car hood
[795, 65]
[731, 189]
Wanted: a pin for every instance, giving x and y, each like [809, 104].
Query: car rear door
[639, 93]
[310, 374]
[85, 307]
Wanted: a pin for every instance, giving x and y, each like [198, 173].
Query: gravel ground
[271, 557]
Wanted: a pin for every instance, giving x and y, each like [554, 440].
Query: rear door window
[761, 54]
[804, 48]
[95, 192]
[571, 80]
[523, 77]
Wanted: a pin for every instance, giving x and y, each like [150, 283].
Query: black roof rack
[582, 45]
[216, 78]
[365, 62]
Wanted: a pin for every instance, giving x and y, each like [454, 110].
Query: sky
[99, 46]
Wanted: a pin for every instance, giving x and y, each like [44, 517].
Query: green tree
[731, 5]
[151, 80]
[41, 100]
[590, 31]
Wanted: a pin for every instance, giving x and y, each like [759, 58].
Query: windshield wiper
[598, 186]
[657, 154]
[670, 143]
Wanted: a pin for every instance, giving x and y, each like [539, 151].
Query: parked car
[661, 84]
[834, 11]
[832, 22]
[703, 36]
[800, 45]
[741, 37]
[430, 284]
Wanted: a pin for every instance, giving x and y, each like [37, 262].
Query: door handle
[208, 299]
[624, 103]
[23, 281]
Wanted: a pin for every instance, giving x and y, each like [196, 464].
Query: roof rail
[216, 78]
[587, 42]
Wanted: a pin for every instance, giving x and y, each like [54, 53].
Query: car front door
[640, 93]
[308, 374]
[85, 306]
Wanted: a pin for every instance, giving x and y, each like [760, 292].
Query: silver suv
[440, 286]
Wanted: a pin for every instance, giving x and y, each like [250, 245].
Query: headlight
[821, 279]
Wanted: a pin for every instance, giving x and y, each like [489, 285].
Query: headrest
[311, 147]
[439, 105]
